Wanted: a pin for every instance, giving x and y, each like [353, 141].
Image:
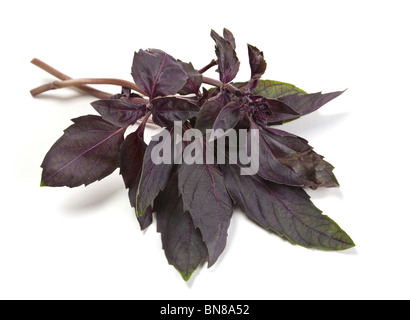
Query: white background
[85, 243]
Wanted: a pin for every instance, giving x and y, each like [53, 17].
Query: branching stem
[85, 81]
[82, 84]
[59, 75]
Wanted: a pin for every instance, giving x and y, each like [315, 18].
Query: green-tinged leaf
[181, 241]
[298, 100]
[285, 210]
[132, 157]
[276, 89]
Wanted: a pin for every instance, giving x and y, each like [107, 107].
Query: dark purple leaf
[272, 110]
[166, 110]
[88, 151]
[157, 73]
[228, 117]
[307, 103]
[283, 143]
[295, 153]
[270, 168]
[181, 241]
[285, 210]
[119, 112]
[132, 157]
[194, 81]
[258, 66]
[210, 110]
[228, 63]
[205, 196]
[312, 168]
[229, 37]
[145, 220]
[155, 173]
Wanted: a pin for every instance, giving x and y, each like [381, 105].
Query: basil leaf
[228, 117]
[181, 241]
[167, 110]
[285, 210]
[88, 151]
[228, 35]
[258, 66]
[228, 63]
[270, 168]
[155, 173]
[273, 110]
[194, 81]
[157, 73]
[209, 111]
[276, 89]
[295, 153]
[307, 103]
[205, 196]
[119, 112]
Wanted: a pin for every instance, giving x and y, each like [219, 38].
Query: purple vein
[88, 150]
[98, 161]
[217, 202]
[157, 76]
[196, 187]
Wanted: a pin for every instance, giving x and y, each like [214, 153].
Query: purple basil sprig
[193, 201]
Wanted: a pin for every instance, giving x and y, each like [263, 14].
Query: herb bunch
[193, 202]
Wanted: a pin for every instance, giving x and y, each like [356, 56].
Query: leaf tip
[139, 212]
[349, 243]
[185, 276]
[214, 34]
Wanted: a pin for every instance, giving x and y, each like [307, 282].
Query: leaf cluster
[193, 202]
